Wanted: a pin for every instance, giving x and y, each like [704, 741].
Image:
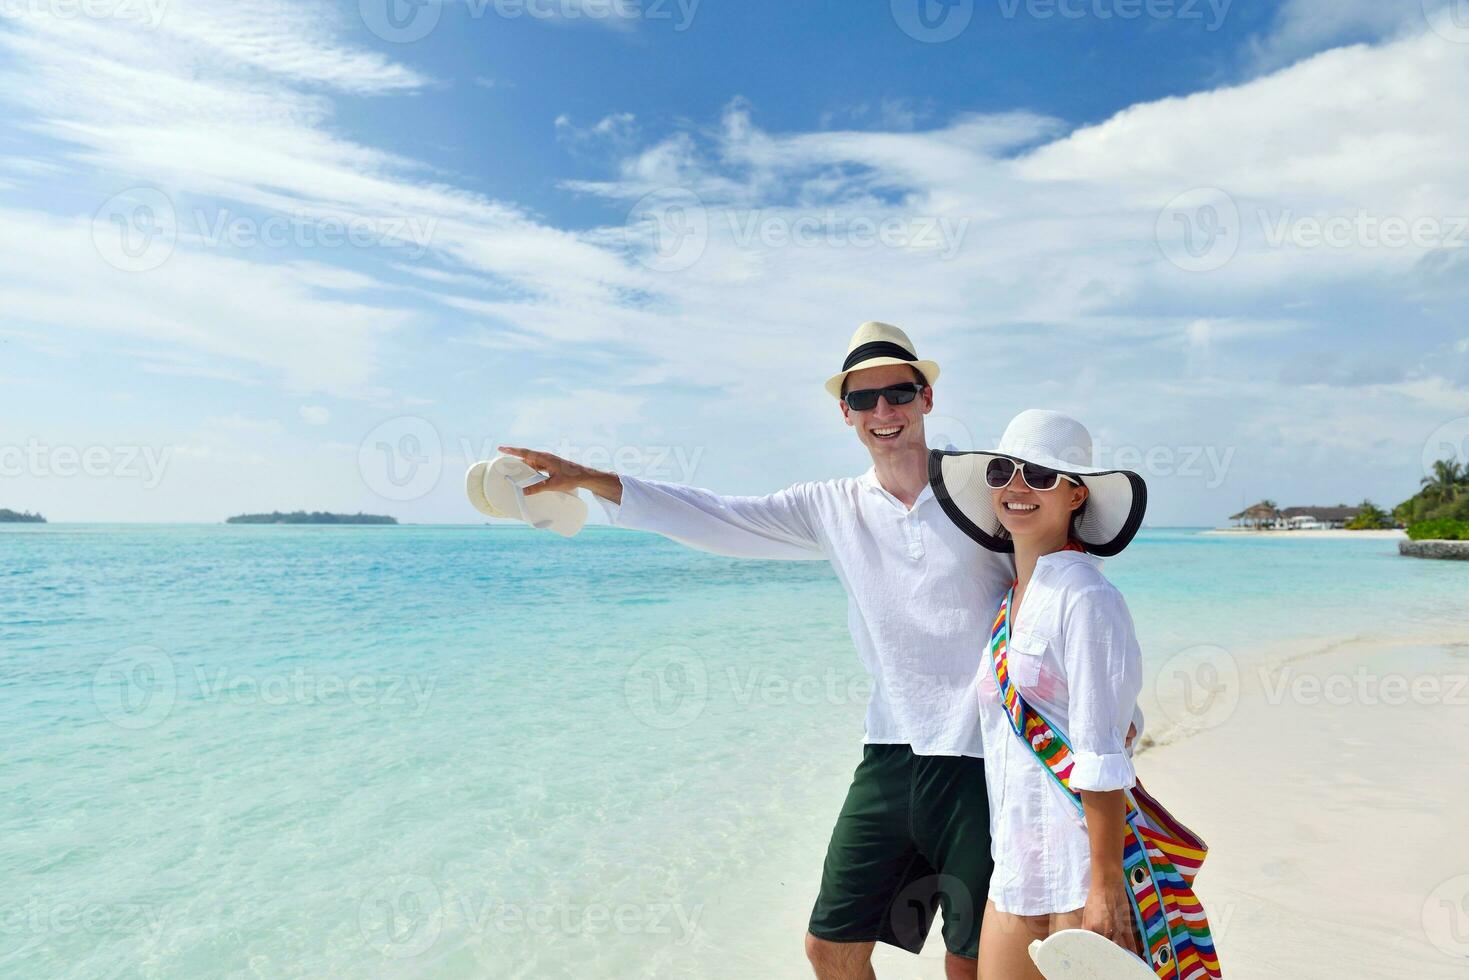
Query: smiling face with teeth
[1043, 516]
[888, 430]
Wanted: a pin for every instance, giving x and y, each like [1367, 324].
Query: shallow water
[452, 752]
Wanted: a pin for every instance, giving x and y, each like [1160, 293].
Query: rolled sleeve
[1102, 773]
[1104, 672]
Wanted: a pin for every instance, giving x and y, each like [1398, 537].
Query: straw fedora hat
[874, 345]
[1116, 499]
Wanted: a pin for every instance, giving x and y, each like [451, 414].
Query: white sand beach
[1333, 800]
[1329, 784]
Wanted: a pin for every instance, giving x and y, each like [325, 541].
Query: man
[914, 830]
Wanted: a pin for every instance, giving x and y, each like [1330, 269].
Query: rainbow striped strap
[1160, 856]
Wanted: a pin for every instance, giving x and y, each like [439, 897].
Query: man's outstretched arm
[780, 525]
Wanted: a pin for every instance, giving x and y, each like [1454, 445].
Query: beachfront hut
[1258, 516]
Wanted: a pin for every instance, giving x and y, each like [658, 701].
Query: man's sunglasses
[866, 399]
[1001, 471]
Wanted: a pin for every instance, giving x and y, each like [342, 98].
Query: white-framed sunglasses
[1001, 471]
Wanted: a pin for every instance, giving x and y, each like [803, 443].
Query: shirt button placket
[915, 539]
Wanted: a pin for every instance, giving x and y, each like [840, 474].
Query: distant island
[315, 517]
[17, 517]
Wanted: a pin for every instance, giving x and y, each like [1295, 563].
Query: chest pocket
[1024, 653]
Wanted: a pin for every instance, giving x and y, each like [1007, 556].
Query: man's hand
[566, 476]
[1109, 913]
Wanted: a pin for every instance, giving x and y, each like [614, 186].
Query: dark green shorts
[913, 837]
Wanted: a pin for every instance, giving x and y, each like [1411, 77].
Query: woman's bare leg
[1004, 944]
[1066, 920]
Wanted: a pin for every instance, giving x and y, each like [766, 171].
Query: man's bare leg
[840, 961]
[960, 968]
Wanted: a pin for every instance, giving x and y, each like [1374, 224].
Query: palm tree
[1443, 485]
[1369, 518]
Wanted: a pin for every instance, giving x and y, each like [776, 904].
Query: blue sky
[262, 254]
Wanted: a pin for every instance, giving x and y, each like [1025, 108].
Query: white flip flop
[1077, 954]
[496, 488]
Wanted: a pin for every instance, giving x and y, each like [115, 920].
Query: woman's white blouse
[1074, 656]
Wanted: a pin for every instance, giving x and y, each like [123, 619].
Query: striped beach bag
[1160, 856]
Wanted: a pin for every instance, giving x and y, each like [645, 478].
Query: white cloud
[315, 414]
[1056, 268]
[1304, 27]
[619, 128]
[227, 308]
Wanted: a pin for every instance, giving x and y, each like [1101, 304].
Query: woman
[1058, 688]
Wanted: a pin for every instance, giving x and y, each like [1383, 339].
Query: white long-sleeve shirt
[1074, 656]
[921, 594]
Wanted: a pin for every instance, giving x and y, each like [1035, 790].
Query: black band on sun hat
[878, 348]
[997, 541]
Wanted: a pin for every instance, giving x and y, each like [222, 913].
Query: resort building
[1318, 518]
[1267, 515]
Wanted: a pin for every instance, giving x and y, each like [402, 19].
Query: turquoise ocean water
[461, 752]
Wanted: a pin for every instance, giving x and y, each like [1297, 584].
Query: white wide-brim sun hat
[1116, 499]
